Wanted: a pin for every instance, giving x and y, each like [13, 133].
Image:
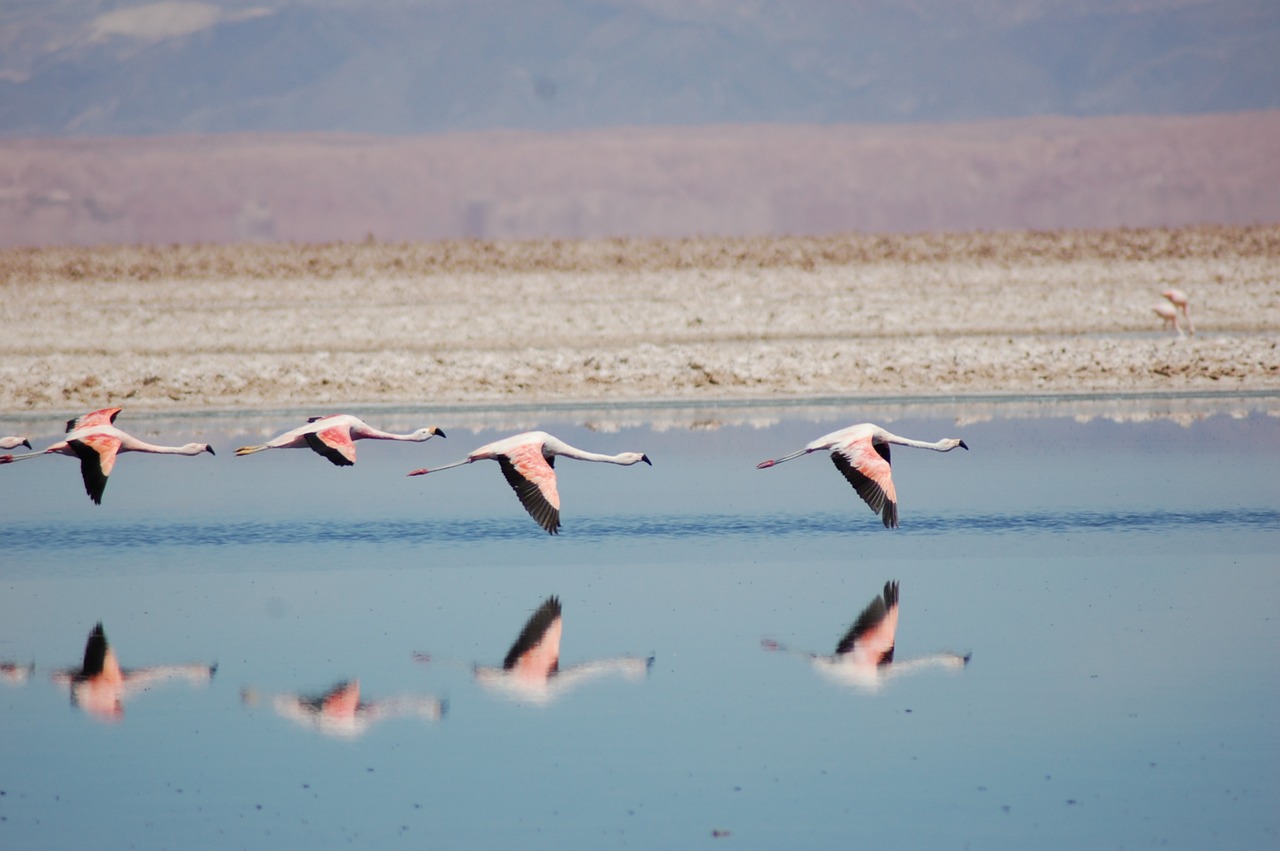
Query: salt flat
[251, 326]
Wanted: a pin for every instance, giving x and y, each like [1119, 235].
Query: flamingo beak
[209, 449]
[963, 445]
[645, 459]
[439, 432]
[26, 443]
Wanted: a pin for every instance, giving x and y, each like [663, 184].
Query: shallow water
[1115, 582]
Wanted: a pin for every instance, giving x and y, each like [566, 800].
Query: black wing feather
[90, 470]
[95, 652]
[322, 448]
[546, 514]
[871, 493]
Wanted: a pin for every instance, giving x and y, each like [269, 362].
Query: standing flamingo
[14, 442]
[96, 442]
[861, 454]
[333, 437]
[1169, 314]
[864, 656]
[100, 686]
[531, 670]
[528, 462]
[1180, 301]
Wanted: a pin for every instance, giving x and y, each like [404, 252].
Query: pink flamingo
[528, 462]
[100, 686]
[341, 712]
[96, 442]
[1180, 301]
[861, 454]
[864, 656]
[531, 670]
[14, 442]
[334, 437]
[1169, 314]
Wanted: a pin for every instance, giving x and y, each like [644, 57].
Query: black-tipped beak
[963, 445]
[440, 433]
[209, 449]
[26, 443]
[645, 459]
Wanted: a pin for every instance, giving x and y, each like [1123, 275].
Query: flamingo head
[427, 433]
[630, 458]
[197, 448]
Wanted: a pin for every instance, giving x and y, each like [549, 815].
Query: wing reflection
[100, 686]
[864, 657]
[340, 711]
[531, 671]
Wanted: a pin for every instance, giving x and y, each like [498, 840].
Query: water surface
[1114, 581]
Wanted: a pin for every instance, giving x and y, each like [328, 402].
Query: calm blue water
[1116, 583]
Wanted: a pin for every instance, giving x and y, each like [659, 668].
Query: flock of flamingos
[531, 669]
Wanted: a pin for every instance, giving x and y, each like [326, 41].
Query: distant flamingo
[864, 656]
[100, 686]
[96, 442]
[14, 442]
[1169, 314]
[15, 673]
[340, 711]
[1181, 301]
[531, 670]
[861, 454]
[333, 437]
[528, 462]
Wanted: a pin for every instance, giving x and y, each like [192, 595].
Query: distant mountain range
[97, 68]
[748, 179]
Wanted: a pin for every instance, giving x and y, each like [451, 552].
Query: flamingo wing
[333, 443]
[533, 479]
[873, 632]
[537, 649]
[106, 416]
[97, 454]
[866, 465]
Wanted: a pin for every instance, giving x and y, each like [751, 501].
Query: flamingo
[15, 673]
[334, 437]
[100, 686]
[1180, 301]
[1169, 314]
[340, 711]
[531, 670]
[864, 656]
[861, 454]
[14, 442]
[94, 439]
[528, 463]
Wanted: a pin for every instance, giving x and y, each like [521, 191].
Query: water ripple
[66, 536]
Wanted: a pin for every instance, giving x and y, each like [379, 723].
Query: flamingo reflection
[100, 686]
[14, 673]
[531, 671]
[864, 657]
[340, 711]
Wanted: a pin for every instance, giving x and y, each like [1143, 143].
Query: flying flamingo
[864, 656]
[100, 686]
[531, 670]
[1169, 314]
[334, 437]
[528, 462]
[96, 442]
[14, 442]
[340, 711]
[1180, 301]
[861, 454]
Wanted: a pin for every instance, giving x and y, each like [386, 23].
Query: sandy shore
[339, 326]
